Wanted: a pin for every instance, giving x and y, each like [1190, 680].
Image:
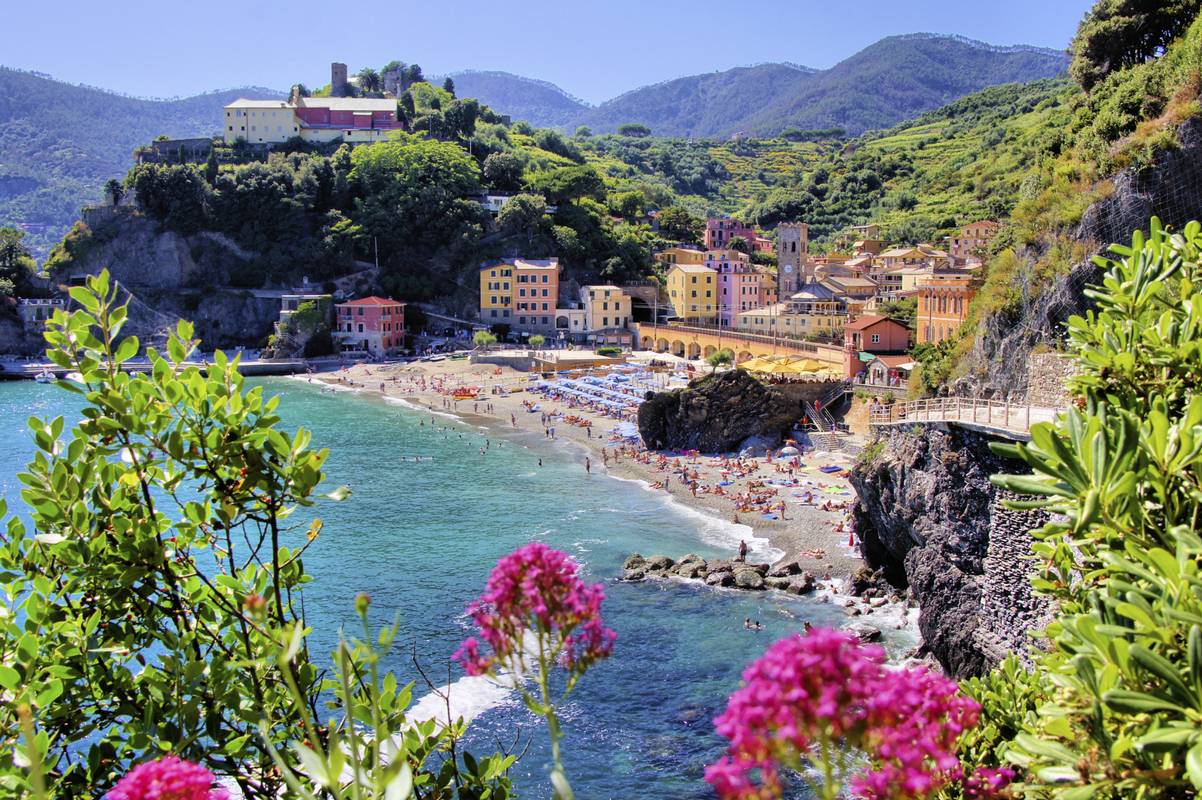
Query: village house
[898, 281]
[971, 242]
[739, 283]
[768, 286]
[680, 255]
[919, 255]
[373, 325]
[869, 336]
[942, 305]
[522, 293]
[692, 290]
[34, 311]
[719, 232]
[605, 307]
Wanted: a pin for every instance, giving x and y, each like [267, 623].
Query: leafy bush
[1122, 554]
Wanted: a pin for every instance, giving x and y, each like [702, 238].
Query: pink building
[374, 325]
[871, 336]
[719, 232]
[740, 285]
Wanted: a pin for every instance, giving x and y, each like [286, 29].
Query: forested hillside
[540, 103]
[59, 143]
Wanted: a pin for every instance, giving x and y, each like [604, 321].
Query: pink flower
[169, 778]
[537, 591]
[828, 687]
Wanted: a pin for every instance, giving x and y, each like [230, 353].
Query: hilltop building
[374, 325]
[313, 119]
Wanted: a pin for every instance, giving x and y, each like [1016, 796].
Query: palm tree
[719, 358]
[369, 80]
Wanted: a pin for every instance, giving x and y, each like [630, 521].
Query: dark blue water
[420, 538]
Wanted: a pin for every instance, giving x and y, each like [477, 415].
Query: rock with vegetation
[716, 414]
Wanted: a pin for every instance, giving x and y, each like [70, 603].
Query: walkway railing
[1000, 414]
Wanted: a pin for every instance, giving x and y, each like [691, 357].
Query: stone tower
[338, 82]
[792, 257]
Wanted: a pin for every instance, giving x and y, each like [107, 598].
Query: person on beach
[742, 550]
[588, 465]
[540, 462]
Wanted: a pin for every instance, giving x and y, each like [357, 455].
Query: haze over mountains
[892, 80]
[59, 143]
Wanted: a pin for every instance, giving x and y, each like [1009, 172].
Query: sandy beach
[814, 529]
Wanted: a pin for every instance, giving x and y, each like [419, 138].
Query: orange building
[374, 325]
[942, 306]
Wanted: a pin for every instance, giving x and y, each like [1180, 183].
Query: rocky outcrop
[716, 414]
[1171, 189]
[169, 277]
[929, 520]
[786, 577]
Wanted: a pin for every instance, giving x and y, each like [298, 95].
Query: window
[521, 292]
[876, 338]
[546, 278]
[494, 313]
[360, 327]
[545, 307]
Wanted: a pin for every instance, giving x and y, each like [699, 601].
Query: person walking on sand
[588, 465]
[742, 550]
[513, 420]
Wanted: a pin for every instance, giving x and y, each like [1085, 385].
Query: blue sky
[594, 50]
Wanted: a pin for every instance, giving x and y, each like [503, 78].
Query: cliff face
[170, 277]
[1171, 189]
[930, 521]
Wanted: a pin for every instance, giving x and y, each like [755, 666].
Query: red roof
[867, 321]
[893, 362]
[372, 301]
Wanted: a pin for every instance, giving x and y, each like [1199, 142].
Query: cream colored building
[605, 307]
[314, 119]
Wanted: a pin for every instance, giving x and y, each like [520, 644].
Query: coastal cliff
[169, 277]
[930, 521]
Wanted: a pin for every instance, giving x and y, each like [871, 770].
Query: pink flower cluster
[827, 687]
[537, 589]
[169, 778]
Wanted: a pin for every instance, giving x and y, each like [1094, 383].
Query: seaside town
[774, 432]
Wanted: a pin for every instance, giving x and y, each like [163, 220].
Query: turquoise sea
[420, 538]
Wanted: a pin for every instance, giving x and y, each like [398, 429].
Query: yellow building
[680, 255]
[605, 307]
[692, 290]
[259, 121]
[495, 293]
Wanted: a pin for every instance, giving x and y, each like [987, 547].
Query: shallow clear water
[420, 538]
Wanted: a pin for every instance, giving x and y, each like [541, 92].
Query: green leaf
[1125, 701]
[559, 783]
[1193, 765]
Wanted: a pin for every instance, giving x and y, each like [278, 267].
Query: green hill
[59, 143]
[892, 80]
[538, 102]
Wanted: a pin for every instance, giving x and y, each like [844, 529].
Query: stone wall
[1047, 376]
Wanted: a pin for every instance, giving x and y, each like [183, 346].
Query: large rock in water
[716, 414]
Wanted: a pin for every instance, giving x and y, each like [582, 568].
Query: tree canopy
[1121, 33]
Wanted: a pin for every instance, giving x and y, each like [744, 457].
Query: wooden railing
[1001, 414]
